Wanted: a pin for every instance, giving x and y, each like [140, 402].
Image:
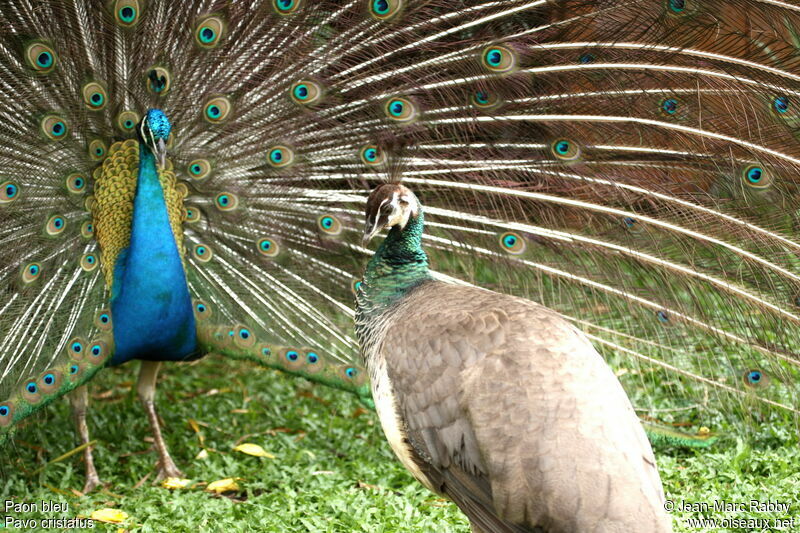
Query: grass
[332, 470]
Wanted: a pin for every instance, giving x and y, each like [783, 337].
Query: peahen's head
[389, 205]
[154, 132]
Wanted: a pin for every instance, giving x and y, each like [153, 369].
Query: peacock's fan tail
[631, 164]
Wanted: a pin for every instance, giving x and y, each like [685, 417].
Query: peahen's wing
[629, 163]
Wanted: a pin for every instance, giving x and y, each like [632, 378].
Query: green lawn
[332, 469]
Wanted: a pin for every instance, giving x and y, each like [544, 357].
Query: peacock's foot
[92, 482]
[167, 469]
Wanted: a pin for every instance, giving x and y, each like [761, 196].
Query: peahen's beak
[161, 152]
[369, 233]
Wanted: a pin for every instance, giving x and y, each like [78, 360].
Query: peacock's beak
[161, 152]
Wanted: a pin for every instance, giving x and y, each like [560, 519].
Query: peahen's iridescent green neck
[399, 265]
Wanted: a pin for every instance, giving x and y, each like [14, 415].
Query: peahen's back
[630, 164]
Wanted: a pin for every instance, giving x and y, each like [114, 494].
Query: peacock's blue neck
[150, 303]
[399, 265]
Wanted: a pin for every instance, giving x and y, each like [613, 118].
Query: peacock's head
[153, 132]
[389, 205]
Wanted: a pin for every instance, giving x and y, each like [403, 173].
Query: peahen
[630, 164]
[495, 401]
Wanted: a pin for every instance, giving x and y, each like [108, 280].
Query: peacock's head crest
[154, 132]
[389, 205]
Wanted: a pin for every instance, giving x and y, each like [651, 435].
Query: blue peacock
[180, 178]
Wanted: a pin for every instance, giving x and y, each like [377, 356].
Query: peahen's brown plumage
[630, 164]
[495, 401]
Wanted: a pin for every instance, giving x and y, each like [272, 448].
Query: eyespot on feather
[97, 351]
[372, 155]
[127, 121]
[54, 127]
[87, 230]
[352, 374]
[265, 351]
[512, 243]
[191, 214]
[127, 13]
[400, 109]
[385, 9]
[280, 156]
[484, 100]
[314, 362]
[202, 311]
[103, 320]
[355, 286]
[50, 381]
[669, 107]
[40, 57]
[75, 348]
[31, 272]
[198, 169]
[97, 150]
[498, 58]
[329, 225]
[158, 80]
[268, 247]
[6, 413]
[9, 191]
[94, 96]
[756, 177]
[565, 149]
[244, 337]
[226, 201]
[217, 109]
[56, 225]
[74, 371]
[203, 253]
[30, 391]
[208, 31]
[89, 262]
[755, 379]
[306, 92]
[286, 7]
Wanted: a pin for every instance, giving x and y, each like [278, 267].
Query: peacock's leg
[79, 399]
[146, 387]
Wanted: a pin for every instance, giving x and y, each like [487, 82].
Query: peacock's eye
[40, 57]
[31, 387]
[73, 369]
[76, 347]
[104, 318]
[44, 59]
[677, 6]
[96, 350]
[351, 372]
[662, 316]
[400, 109]
[499, 59]
[217, 109]
[312, 357]
[54, 127]
[49, 379]
[512, 243]
[127, 12]
[244, 333]
[292, 355]
[4, 410]
[757, 177]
